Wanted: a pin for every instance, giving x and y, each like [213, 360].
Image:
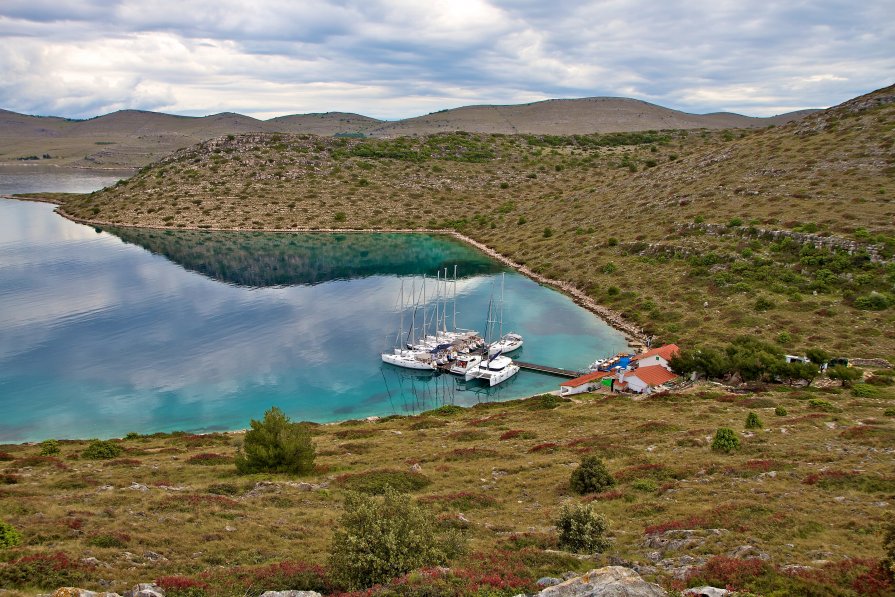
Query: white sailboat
[508, 342]
[401, 356]
[493, 368]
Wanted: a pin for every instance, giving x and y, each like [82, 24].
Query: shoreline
[632, 334]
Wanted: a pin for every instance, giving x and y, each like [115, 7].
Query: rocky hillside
[785, 233]
[132, 138]
[799, 508]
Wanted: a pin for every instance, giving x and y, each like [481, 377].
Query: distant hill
[134, 138]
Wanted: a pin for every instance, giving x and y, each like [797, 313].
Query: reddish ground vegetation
[209, 458]
[605, 496]
[544, 447]
[511, 434]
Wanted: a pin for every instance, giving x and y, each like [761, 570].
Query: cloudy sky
[399, 58]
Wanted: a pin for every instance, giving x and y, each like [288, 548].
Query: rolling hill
[785, 233]
[133, 138]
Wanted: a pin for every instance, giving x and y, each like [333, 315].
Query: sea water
[104, 332]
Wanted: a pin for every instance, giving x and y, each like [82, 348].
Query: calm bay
[103, 332]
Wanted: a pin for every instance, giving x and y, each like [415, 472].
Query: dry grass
[808, 487]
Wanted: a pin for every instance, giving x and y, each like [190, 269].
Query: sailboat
[508, 342]
[402, 355]
[493, 368]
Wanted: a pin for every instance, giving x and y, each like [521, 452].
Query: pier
[548, 369]
[530, 367]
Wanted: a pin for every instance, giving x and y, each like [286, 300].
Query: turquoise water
[107, 332]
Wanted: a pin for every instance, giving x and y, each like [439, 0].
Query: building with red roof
[657, 356]
[586, 383]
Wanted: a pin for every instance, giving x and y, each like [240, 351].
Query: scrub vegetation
[785, 233]
[811, 490]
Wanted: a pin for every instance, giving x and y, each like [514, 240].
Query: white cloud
[399, 58]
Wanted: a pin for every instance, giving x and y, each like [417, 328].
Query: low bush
[591, 476]
[780, 411]
[823, 405]
[725, 440]
[753, 422]
[379, 539]
[44, 571]
[182, 586]
[209, 459]
[117, 540]
[545, 402]
[864, 390]
[448, 410]
[645, 485]
[102, 450]
[49, 447]
[377, 482]
[581, 529]
[517, 433]
[9, 536]
[6, 457]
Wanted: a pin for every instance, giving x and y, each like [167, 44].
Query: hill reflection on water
[264, 259]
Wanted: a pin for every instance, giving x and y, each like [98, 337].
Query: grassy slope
[501, 487]
[610, 219]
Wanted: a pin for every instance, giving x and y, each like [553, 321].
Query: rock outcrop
[611, 581]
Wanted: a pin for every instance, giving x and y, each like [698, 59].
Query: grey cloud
[394, 58]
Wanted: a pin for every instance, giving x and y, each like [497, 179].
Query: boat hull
[407, 362]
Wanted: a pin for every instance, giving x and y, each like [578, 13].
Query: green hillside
[786, 233]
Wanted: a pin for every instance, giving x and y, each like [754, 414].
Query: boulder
[146, 590]
[611, 581]
[75, 592]
[548, 581]
[706, 592]
[290, 594]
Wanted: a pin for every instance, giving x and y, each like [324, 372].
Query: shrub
[181, 586]
[378, 540]
[47, 571]
[864, 390]
[889, 412]
[9, 537]
[581, 529]
[889, 546]
[817, 356]
[824, 405]
[763, 304]
[726, 441]
[873, 302]
[209, 459]
[591, 476]
[49, 447]
[379, 481]
[447, 410]
[545, 402]
[102, 450]
[6, 457]
[780, 411]
[646, 485]
[753, 422]
[276, 445]
[109, 540]
[844, 374]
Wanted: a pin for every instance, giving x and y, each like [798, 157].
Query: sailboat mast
[455, 297]
[502, 278]
[401, 325]
[444, 302]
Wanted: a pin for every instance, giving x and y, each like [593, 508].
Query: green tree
[379, 539]
[817, 356]
[726, 441]
[276, 445]
[581, 529]
[845, 374]
[591, 476]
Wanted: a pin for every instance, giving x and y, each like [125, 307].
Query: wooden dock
[547, 369]
[530, 367]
